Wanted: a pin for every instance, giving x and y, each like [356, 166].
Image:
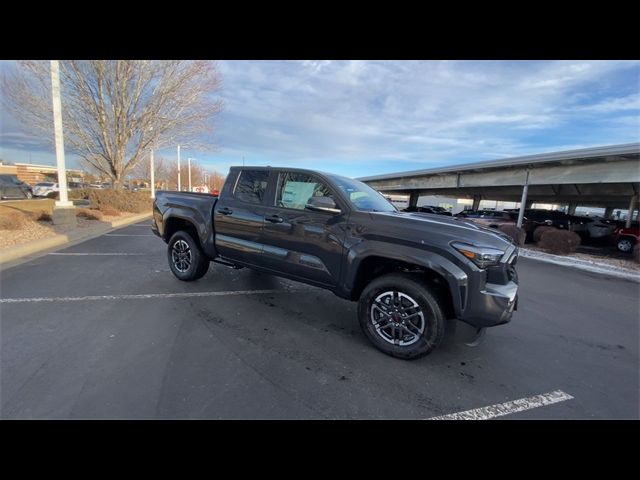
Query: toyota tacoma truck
[411, 273]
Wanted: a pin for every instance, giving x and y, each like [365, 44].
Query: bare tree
[142, 170]
[199, 175]
[115, 111]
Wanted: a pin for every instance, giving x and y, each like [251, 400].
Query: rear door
[299, 242]
[239, 216]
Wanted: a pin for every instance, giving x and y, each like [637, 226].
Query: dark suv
[12, 188]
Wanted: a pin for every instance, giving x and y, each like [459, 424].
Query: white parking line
[507, 408]
[91, 254]
[128, 235]
[141, 296]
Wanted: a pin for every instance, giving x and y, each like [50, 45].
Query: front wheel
[186, 260]
[401, 316]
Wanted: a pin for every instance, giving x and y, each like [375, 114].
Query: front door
[300, 242]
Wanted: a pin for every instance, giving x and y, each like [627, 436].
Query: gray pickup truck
[409, 272]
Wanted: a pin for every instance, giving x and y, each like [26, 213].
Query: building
[605, 177]
[33, 174]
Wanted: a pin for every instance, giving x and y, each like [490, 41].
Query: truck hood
[426, 228]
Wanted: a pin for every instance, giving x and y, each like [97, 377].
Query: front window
[362, 196]
[295, 189]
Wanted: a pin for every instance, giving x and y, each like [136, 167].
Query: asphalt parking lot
[103, 330]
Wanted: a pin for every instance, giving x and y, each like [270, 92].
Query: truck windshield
[362, 196]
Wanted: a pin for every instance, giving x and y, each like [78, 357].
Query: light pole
[189, 160]
[63, 211]
[153, 176]
[179, 185]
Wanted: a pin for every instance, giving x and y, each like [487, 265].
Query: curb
[580, 264]
[10, 256]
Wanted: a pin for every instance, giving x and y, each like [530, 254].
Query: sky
[361, 118]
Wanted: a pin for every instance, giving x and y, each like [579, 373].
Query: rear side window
[251, 186]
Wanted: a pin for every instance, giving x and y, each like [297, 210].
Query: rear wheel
[625, 245]
[401, 316]
[186, 259]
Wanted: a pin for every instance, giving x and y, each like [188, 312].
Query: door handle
[225, 211]
[274, 219]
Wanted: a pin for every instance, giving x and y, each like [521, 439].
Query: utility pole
[179, 185]
[64, 213]
[189, 160]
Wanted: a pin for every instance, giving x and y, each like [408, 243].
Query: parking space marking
[507, 408]
[142, 296]
[128, 235]
[91, 254]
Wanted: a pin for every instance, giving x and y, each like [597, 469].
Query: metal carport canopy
[607, 176]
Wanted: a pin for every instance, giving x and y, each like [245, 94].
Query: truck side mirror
[322, 204]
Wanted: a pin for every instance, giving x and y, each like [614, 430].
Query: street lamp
[189, 160]
[179, 185]
[153, 176]
[63, 211]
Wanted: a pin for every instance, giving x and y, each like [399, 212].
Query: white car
[43, 189]
[600, 227]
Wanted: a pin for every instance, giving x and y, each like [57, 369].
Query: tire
[28, 195]
[625, 244]
[186, 259]
[415, 297]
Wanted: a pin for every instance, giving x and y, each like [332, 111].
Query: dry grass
[517, 234]
[28, 206]
[559, 242]
[89, 214]
[110, 212]
[12, 220]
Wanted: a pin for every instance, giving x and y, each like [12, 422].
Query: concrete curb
[587, 265]
[12, 256]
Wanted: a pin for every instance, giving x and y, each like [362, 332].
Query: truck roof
[288, 169]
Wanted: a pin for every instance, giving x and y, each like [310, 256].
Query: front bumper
[491, 306]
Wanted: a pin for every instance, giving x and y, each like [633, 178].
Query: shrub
[636, 253]
[120, 200]
[517, 234]
[78, 194]
[559, 242]
[112, 212]
[12, 220]
[538, 232]
[89, 214]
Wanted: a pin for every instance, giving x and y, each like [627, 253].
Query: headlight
[483, 257]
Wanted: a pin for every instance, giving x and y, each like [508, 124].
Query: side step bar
[226, 263]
